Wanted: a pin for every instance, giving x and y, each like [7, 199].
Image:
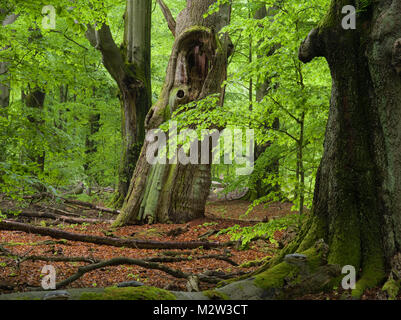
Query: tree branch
[102, 40]
[121, 261]
[311, 47]
[70, 39]
[169, 17]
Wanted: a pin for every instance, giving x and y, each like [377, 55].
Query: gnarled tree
[357, 201]
[197, 69]
[129, 65]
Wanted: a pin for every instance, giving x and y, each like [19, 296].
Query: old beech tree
[196, 69]
[129, 65]
[357, 202]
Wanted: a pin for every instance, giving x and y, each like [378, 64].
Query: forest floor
[16, 276]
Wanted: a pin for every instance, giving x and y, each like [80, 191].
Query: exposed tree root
[116, 242]
[21, 259]
[66, 219]
[44, 195]
[91, 206]
[56, 211]
[122, 261]
[297, 275]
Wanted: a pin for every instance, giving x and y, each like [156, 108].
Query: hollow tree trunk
[357, 202]
[129, 65]
[197, 68]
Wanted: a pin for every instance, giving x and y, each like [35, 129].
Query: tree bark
[4, 87]
[197, 68]
[4, 81]
[36, 100]
[357, 201]
[129, 65]
[90, 144]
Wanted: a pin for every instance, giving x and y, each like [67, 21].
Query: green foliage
[262, 230]
[296, 96]
[62, 64]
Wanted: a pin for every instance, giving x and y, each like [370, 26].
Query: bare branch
[70, 39]
[169, 17]
[121, 261]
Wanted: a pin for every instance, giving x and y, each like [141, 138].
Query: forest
[200, 150]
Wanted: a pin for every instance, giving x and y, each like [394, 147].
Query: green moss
[196, 29]
[28, 299]
[392, 288]
[345, 246]
[255, 263]
[274, 277]
[139, 293]
[314, 228]
[215, 295]
[372, 275]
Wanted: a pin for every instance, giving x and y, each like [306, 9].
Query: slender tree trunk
[129, 65]
[4, 82]
[36, 100]
[262, 172]
[357, 202]
[4, 87]
[90, 144]
[4, 102]
[300, 166]
[197, 68]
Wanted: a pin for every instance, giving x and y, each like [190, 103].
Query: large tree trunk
[197, 68]
[129, 65]
[357, 203]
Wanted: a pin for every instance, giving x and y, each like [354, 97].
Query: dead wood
[116, 242]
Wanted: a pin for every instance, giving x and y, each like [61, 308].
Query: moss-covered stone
[139, 293]
[216, 295]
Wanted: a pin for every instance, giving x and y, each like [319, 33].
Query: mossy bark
[197, 67]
